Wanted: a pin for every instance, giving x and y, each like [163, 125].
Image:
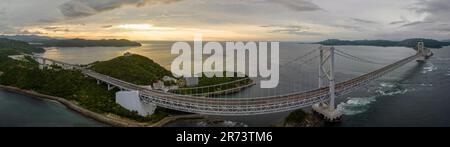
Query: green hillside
[132, 68]
[71, 85]
[13, 47]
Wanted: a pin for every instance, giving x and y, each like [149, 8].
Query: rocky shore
[302, 118]
[107, 119]
[311, 120]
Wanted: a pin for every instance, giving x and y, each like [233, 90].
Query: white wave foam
[426, 85]
[389, 85]
[359, 105]
[429, 68]
[391, 93]
[355, 106]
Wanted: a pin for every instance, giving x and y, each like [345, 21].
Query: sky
[263, 20]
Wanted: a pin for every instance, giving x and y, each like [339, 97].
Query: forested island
[141, 70]
[88, 43]
[44, 41]
[410, 43]
[132, 68]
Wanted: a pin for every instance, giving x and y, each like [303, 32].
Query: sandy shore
[99, 117]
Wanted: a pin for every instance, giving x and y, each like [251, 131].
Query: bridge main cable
[244, 106]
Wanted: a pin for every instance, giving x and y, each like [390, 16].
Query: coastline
[103, 118]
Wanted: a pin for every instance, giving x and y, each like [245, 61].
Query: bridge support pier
[48, 64]
[329, 111]
[42, 64]
[130, 100]
[423, 51]
[110, 87]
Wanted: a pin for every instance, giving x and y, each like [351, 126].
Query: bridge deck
[243, 106]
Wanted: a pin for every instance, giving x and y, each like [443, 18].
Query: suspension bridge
[322, 99]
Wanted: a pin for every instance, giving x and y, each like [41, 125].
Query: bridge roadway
[246, 106]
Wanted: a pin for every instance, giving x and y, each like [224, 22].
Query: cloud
[430, 21]
[84, 8]
[348, 27]
[436, 10]
[415, 23]
[443, 27]
[27, 32]
[48, 20]
[297, 5]
[56, 29]
[398, 22]
[402, 20]
[364, 21]
[4, 29]
[107, 26]
[290, 29]
[432, 6]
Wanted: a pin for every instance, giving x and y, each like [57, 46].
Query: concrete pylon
[327, 73]
[110, 87]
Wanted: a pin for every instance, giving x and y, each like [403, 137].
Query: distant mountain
[28, 38]
[88, 43]
[14, 47]
[446, 40]
[44, 41]
[411, 43]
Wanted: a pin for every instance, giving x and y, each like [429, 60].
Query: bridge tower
[420, 47]
[423, 51]
[327, 73]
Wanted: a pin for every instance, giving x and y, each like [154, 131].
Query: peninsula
[44, 41]
[410, 43]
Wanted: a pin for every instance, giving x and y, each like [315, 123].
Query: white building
[130, 100]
